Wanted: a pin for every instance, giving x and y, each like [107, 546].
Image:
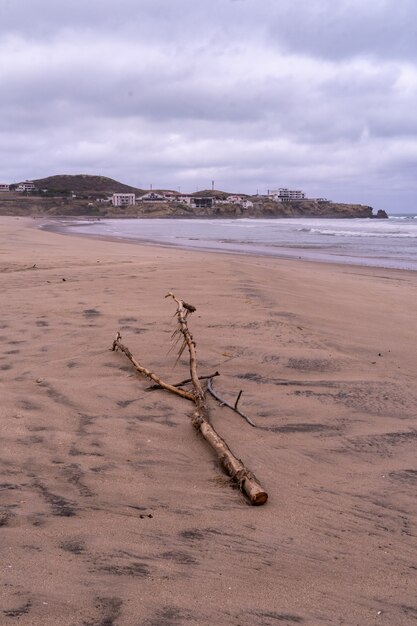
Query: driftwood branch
[200, 419]
[230, 406]
[183, 382]
[117, 345]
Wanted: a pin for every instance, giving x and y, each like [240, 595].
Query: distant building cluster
[206, 200]
[28, 186]
[194, 202]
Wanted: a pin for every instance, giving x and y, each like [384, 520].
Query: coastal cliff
[264, 208]
[16, 204]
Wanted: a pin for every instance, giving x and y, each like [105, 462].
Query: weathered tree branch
[200, 419]
[117, 345]
[183, 382]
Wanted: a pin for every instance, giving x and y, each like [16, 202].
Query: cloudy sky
[319, 95]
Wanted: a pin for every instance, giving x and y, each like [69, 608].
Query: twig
[237, 399]
[224, 402]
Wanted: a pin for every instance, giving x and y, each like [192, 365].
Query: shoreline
[110, 494]
[308, 253]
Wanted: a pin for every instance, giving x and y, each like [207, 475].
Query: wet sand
[113, 511]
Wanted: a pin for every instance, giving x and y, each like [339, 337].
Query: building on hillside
[286, 195]
[123, 199]
[203, 203]
[4, 187]
[197, 202]
[152, 196]
[171, 196]
[185, 199]
[27, 187]
[234, 199]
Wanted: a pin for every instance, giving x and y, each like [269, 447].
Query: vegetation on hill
[214, 193]
[84, 185]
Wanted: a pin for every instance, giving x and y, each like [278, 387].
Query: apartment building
[4, 187]
[26, 187]
[286, 195]
[123, 199]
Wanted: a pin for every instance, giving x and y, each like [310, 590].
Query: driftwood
[234, 467]
[230, 406]
[117, 344]
[200, 417]
[183, 382]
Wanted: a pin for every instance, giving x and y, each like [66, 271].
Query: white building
[27, 186]
[286, 195]
[123, 199]
[152, 196]
[234, 199]
[4, 187]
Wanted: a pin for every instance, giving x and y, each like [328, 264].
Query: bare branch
[184, 382]
[117, 345]
[237, 399]
[225, 403]
[201, 420]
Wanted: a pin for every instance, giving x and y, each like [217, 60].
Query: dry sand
[113, 510]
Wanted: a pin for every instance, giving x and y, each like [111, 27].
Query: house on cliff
[286, 195]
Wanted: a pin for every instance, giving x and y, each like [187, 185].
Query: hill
[84, 185]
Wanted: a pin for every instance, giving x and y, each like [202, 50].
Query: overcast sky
[319, 95]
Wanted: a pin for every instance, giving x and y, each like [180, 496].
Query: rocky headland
[84, 195]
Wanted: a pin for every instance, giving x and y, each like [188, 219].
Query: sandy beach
[113, 510]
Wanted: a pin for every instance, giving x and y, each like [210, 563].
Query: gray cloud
[315, 94]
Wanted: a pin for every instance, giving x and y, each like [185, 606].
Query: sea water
[390, 243]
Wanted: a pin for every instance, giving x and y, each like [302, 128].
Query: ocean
[390, 243]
